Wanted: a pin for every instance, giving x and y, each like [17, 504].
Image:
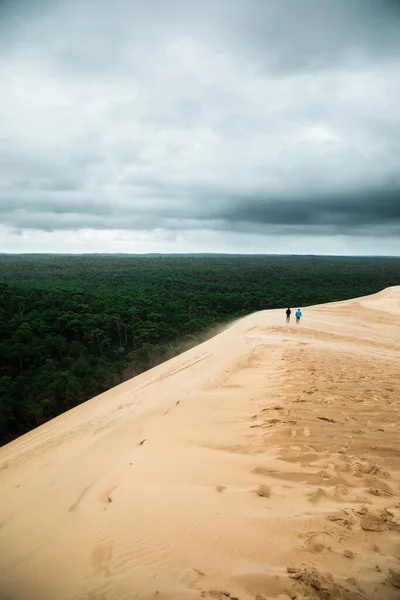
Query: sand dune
[262, 464]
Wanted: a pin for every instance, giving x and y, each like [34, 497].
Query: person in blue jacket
[298, 315]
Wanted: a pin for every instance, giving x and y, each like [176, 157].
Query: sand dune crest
[262, 464]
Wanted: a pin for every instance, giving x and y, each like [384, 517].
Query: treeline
[71, 326]
[59, 348]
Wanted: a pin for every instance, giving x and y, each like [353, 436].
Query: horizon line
[194, 254]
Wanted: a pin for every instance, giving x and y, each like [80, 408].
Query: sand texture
[262, 464]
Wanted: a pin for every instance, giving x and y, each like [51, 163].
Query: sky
[238, 126]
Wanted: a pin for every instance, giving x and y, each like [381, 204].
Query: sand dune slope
[263, 464]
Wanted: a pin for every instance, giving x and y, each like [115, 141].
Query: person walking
[298, 314]
[288, 313]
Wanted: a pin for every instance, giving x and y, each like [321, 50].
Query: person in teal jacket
[298, 315]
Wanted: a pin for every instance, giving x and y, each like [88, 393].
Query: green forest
[74, 326]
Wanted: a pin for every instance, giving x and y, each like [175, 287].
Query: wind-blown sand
[264, 463]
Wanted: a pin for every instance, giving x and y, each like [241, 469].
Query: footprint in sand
[394, 578]
[317, 542]
[317, 496]
[264, 491]
[106, 497]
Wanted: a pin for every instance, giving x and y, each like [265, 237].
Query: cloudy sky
[200, 126]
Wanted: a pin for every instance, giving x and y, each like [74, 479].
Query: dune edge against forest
[263, 463]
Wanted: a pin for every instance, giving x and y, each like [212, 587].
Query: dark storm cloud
[374, 212]
[348, 211]
[243, 115]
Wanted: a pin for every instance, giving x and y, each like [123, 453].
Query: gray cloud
[285, 35]
[317, 34]
[377, 211]
[373, 213]
[248, 116]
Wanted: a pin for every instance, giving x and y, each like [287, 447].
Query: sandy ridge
[262, 464]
